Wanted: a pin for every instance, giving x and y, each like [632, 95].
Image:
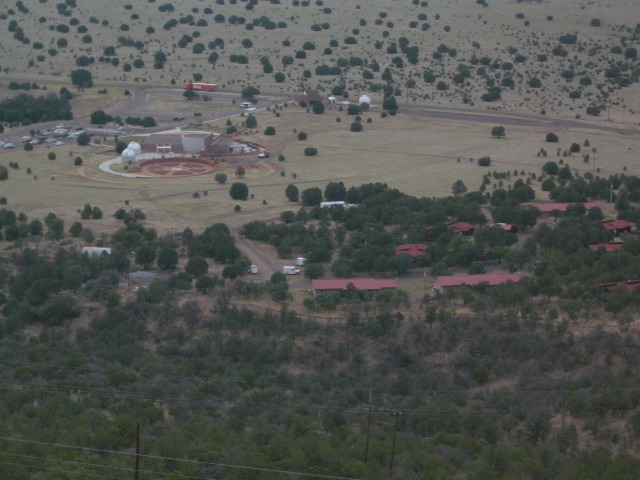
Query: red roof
[609, 246]
[358, 283]
[414, 250]
[473, 280]
[612, 225]
[550, 207]
[505, 226]
[629, 285]
[460, 227]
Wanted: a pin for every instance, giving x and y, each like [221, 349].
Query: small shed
[94, 252]
[507, 227]
[616, 227]
[607, 246]
[414, 250]
[461, 228]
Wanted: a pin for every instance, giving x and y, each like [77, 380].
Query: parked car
[26, 139]
[46, 132]
[264, 155]
[122, 129]
[197, 114]
[177, 118]
[9, 145]
[37, 142]
[50, 140]
[59, 144]
[1, 144]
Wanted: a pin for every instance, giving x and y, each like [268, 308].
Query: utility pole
[366, 446]
[393, 413]
[393, 444]
[136, 475]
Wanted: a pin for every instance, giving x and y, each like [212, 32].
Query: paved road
[139, 104]
[516, 119]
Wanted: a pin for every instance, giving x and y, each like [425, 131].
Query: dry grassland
[462, 25]
[413, 154]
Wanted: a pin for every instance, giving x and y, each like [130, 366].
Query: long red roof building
[449, 281]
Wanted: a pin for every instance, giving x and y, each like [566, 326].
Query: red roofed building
[615, 226]
[323, 286]
[550, 207]
[505, 226]
[445, 282]
[629, 285]
[414, 250]
[460, 228]
[608, 246]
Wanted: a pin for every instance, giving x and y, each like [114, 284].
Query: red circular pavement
[175, 167]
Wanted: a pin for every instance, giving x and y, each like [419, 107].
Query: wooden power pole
[136, 475]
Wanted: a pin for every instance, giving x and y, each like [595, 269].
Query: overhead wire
[159, 457]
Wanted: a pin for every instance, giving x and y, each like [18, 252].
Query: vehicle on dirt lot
[264, 155]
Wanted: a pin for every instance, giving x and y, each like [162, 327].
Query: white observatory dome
[364, 99]
[135, 146]
[128, 155]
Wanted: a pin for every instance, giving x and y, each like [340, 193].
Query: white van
[245, 104]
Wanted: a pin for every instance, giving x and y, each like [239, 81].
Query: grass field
[416, 155]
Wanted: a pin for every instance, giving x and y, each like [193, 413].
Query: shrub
[239, 191]
[302, 136]
[310, 152]
[270, 131]
[550, 168]
[356, 127]
[551, 138]
[484, 161]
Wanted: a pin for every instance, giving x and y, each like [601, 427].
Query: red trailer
[207, 87]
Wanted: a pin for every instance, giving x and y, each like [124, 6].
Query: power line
[157, 457]
[85, 474]
[99, 465]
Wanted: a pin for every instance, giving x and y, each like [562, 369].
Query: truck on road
[290, 270]
[206, 87]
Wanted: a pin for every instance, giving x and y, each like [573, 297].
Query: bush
[356, 127]
[318, 108]
[595, 111]
[239, 191]
[551, 138]
[251, 122]
[550, 168]
[484, 161]
[221, 178]
[310, 152]
[302, 136]
[270, 131]
[77, 161]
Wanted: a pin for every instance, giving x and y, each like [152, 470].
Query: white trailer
[253, 269]
[290, 270]
[302, 261]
